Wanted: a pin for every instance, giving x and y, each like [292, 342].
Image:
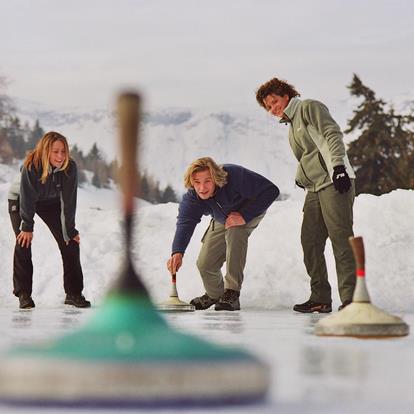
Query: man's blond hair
[217, 172]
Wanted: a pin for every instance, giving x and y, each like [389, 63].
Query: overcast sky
[203, 54]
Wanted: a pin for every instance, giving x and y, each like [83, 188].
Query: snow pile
[275, 276]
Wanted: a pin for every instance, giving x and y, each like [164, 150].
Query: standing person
[237, 200]
[47, 186]
[326, 174]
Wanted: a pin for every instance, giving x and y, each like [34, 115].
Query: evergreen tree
[35, 134]
[16, 137]
[382, 153]
[78, 156]
[144, 190]
[96, 181]
[168, 195]
[94, 153]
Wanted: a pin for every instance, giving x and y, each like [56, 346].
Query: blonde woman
[47, 186]
[237, 200]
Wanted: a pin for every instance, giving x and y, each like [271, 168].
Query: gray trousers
[327, 213]
[219, 246]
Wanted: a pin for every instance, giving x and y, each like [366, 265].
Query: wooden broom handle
[357, 245]
[129, 120]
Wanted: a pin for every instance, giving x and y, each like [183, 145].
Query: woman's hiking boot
[26, 301]
[78, 301]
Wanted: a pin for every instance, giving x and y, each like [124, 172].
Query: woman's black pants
[49, 212]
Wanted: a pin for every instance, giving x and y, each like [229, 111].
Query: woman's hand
[75, 239]
[24, 238]
[174, 263]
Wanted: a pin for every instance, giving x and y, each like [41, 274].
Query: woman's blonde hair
[39, 156]
[217, 172]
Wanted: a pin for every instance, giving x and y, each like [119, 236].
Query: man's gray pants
[224, 245]
[327, 213]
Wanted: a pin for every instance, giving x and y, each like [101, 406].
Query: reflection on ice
[333, 362]
[310, 374]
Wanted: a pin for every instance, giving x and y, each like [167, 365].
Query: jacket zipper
[294, 138]
[221, 208]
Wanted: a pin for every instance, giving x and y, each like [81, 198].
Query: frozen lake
[310, 374]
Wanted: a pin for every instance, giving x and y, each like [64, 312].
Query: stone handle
[357, 245]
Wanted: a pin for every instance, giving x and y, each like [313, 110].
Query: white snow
[310, 374]
[275, 276]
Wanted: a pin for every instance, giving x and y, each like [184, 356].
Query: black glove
[341, 180]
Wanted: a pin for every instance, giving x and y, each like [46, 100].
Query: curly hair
[277, 87]
[217, 172]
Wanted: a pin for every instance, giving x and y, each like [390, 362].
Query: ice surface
[310, 374]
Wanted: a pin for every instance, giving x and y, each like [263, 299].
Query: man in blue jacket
[237, 200]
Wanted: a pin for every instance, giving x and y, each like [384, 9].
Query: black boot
[77, 300]
[229, 301]
[203, 302]
[26, 301]
[310, 307]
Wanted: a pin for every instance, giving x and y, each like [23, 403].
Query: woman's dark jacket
[59, 187]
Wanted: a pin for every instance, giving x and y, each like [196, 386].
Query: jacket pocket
[208, 228]
[301, 176]
[322, 162]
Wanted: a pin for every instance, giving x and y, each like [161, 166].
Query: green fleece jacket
[317, 143]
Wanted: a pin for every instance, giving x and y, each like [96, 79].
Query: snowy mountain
[172, 138]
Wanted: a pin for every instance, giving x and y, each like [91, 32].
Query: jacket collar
[291, 109]
[52, 169]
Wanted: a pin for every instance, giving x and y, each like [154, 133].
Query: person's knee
[237, 235]
[206, 265]
[201, 264]
[70, 249]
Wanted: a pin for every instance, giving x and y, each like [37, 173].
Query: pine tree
[381, 155]
[35, 134]
[94, 153]
[78, 156]
[15, 136]
[168, 195]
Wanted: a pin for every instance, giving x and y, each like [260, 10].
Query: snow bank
[275, 276]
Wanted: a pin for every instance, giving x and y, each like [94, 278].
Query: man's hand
[174, 263]
[341, 180]
[234, 219]
[24, 238]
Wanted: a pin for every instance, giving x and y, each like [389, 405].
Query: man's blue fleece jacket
[246, 192]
